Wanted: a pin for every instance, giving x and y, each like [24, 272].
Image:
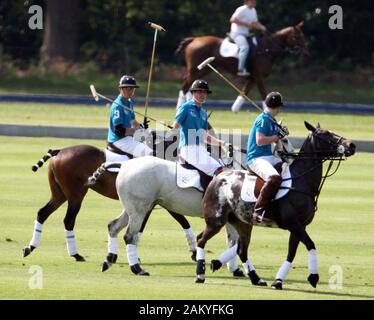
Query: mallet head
[205, 62]
[94, 93]
[156, 26]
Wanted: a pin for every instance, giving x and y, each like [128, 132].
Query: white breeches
[264, 166]
[199, 157]
[134, 147]
[242, 42]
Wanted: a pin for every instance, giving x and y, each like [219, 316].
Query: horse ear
[309, 126]
[318, 126]
[300, 24]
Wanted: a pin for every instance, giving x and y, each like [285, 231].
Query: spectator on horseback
[243, 19]
[260, 159]
[122, 123]
[192, 120]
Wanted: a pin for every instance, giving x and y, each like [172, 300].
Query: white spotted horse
[68, 171]
[145, 182]
[223, 203]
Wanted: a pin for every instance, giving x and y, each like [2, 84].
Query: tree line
[114, 33]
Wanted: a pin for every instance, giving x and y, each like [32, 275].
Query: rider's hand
[283, 131]
[145, 123]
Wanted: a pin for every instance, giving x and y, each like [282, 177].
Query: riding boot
[267, 193]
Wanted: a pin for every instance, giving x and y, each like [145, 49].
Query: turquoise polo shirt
[193, 123]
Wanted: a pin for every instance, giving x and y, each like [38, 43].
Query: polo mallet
[157, 28]
[207, 63]
[97, 95]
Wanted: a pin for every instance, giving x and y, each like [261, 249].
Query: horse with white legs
[223, 203]
[145, 182]
[68, 171]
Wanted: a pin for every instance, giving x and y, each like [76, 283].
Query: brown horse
[68, 172]
[259, 62]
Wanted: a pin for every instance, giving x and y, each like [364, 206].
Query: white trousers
[242, 42]
[199, 157]
[134, 147]
[264, 166]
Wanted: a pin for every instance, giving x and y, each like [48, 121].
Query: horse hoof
[105, 266]
[79, 258]
[215, 265]
[193, 256]
[112, 257]
[238, 273]
[27, 251]
[277, 285]
[143, 273]
[200, 279]
[136, 269]
[256, 280]
[313, 279]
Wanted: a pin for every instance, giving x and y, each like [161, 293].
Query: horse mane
[183, 44]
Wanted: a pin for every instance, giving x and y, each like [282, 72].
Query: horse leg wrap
[200, 271]
[71, 243]
[37, 234]
[283, 270]
[112, 245]
[190, 239]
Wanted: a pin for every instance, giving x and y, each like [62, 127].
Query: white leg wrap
[190, 236]
[70, 242]
[283, 270]
[237, 105]
[232, 264]
[313, 262]
[132, 255]
[229, 254]
[112, 245]
[37, 234]
[248, 266]
[200, 253]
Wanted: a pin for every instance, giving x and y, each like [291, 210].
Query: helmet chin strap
[198, 102]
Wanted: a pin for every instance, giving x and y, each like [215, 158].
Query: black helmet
[274, 100]
[200, 85]
[127, 81]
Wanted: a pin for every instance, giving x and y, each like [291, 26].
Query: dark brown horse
[68, 172]
[259, 63]
[223, 204]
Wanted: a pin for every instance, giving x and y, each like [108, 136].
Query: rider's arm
[258, 25]
[263, 140]
[213, 141]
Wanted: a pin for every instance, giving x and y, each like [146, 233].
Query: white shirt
[246, 15]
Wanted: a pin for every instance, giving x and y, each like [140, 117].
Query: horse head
[294, 39]
[328, 144]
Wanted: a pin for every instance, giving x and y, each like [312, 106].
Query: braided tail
[51, 153]
[91, 181]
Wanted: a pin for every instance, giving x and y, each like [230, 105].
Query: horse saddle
[252, 185]
[189, 176]
[115, 155]
[229, 49]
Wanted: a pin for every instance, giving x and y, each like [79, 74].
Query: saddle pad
[111, 157]
[248, 195]
[187, 178]
[229, 49]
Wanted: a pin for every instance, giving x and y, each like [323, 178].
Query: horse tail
[51, 153]
[183, 44]
[100, 170]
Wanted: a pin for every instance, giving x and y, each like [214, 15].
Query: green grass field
[350, 126]
[342, 231]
